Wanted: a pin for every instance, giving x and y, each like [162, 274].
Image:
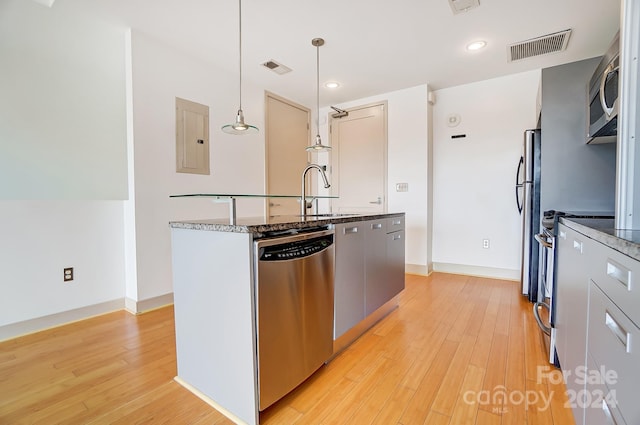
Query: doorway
[359, 159]
[287, 136]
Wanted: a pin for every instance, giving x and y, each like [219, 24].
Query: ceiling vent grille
[459, 6]
[276, 67]
[543, 45]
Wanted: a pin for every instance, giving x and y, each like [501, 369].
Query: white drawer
[619, 277]
[395, 223]
[614, 344]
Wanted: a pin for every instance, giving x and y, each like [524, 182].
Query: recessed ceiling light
[476, 45]
[332, 85]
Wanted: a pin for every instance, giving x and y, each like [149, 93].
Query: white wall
[62, 108]
[474, 177]
[40, 238]
[407, 163]
[160, 74]
[62, 164]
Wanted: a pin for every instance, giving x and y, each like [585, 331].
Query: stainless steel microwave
[602, 126]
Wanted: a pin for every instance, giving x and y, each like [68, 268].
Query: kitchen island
[215, 274]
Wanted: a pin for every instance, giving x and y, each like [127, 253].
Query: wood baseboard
[38, 324]
[15, 330]
[419, 269]
[480, 271]
[143, 306]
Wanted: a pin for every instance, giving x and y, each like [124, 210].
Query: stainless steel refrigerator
[528, 202]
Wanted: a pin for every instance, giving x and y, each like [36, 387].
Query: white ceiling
[372, 46]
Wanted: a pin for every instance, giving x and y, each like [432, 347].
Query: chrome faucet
[303, 199]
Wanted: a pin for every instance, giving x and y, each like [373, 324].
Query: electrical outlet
[68, 274]
[485, 243]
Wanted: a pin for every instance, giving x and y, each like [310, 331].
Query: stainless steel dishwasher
[294, 301]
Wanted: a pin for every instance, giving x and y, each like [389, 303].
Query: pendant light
[318, 146]
[239, 127]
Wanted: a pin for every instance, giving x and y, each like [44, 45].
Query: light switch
[402, 187]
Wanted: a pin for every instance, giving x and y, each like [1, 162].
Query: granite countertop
[260, 225]
[604, 231]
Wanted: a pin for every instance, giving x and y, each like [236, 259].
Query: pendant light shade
[317, 145]
[239, 127]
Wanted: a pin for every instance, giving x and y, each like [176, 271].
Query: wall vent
[550, 43]
[276, 67]
[459, 6]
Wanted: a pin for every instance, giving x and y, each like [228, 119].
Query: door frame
[335, 151]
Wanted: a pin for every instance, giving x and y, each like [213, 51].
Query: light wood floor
[459, 350]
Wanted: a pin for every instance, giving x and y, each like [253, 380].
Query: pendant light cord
[240, 47]
[318, 89]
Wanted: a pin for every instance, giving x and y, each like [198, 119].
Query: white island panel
[214, 318]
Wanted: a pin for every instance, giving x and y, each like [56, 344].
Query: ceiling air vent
[276, 67]
[550, 43]
[459, 6]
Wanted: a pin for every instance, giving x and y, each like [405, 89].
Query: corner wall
[63, 178]
[474, 176]
[160, 74]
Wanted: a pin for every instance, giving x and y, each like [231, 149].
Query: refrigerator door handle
[519, 185]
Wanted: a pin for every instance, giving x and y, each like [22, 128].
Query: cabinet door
[571, 308]
[395, 263]
[376, 291]
[613, 348]
[561, 298]
[349, 277]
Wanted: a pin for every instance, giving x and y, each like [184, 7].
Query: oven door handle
[536, 313]
[542, 240]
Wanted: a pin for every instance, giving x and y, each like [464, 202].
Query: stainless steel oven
[543, 308]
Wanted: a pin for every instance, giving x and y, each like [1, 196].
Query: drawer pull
[350, 230]
[376, 226]
[396, 222]
[397, 237]
[618, 331]
[607, 413]
[577, 246]
[619, 273]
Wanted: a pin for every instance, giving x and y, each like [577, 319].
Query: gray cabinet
[571, 300]
[369, 271]
[384, 261]
[614, 362]
[613, 331]
[597, 320]
[349, 277]
[395, 256]
[375, 260]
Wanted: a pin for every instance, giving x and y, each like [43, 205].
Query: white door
[359, 160]
[287, 136]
